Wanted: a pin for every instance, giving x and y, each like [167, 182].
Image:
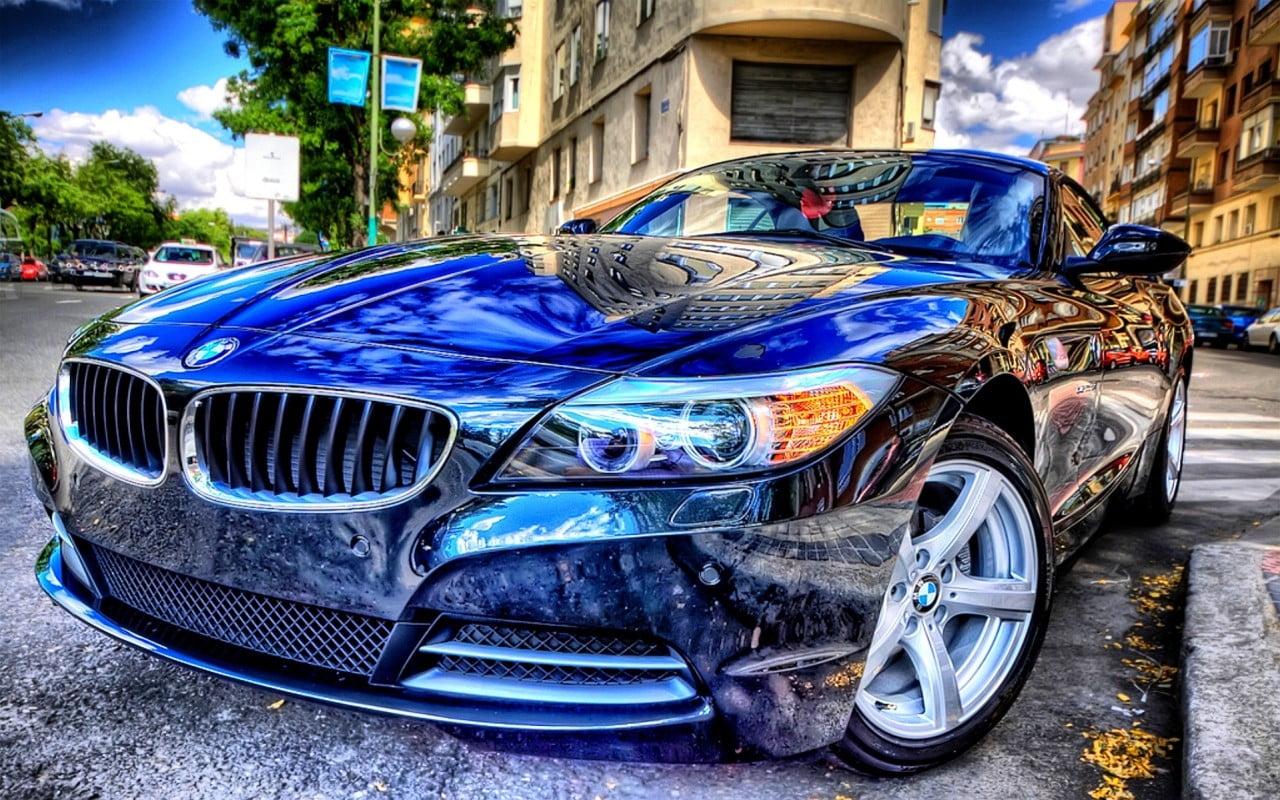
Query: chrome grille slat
[287, 448]
[115, 419]
[322, 637]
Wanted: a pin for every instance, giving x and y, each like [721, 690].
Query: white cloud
[65, 5]
[204, 100]
[989, 104]
[194, 166]
[1061, 7]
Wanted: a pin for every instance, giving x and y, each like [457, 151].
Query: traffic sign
[348, 76]
[271, 166]
[400, 80]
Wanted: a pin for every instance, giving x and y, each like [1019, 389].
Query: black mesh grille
[308, 634]
[552, 673]
[553, 641]
[296, 445]
[118, 415]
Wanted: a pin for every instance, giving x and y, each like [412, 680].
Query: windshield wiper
[799, 233]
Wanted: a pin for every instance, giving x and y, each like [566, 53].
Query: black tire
[79, 285]
[1155, 503]
[1273, 345]
[869, 744]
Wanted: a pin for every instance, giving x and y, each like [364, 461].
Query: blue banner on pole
[348, 76]
[400, 80]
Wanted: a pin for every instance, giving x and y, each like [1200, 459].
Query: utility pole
[373, 128]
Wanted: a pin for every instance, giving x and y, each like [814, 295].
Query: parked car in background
[251, 251]
[33, 269]
[1212, 326]
[1241, 318]
[1264, 333]
[11, 247]
[773, 462]
[172, 263]
[102, 262]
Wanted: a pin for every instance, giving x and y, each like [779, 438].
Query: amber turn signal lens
[805, 422]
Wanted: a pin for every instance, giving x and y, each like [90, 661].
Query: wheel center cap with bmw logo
[210, 352]
[925, 596]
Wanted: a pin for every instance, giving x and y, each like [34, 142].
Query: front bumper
[764, 618]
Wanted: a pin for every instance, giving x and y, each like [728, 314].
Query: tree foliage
[285, 90]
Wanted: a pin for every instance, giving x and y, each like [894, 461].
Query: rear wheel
[1155, 504]
[965, 611]
[1273, 345]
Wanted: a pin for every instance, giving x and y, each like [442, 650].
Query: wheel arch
[1004, 402]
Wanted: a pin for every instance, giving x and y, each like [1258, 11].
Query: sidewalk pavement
[1231, 669]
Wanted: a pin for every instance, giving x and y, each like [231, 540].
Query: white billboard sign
[270, 166]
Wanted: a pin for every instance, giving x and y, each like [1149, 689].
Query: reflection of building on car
[100, 262]
[251, 251]
[175, 262]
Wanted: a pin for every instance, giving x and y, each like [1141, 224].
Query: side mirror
[1132, 250]
[578, 226]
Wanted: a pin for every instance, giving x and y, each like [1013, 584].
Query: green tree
[16, 141]
[122, 196]
[286, 89]
[51, 204]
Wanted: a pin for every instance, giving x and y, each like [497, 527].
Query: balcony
[1200, 198]
[1258, 170]
[1263, 94]
[1199, 141]
[477, 97]
[1148, 178]
[865, 21]
[1202, 10]
[465, 172]
[507, 144]
[1264, 23]
[1206, 79]
[1149, 134]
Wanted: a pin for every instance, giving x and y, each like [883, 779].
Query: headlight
[670, 428]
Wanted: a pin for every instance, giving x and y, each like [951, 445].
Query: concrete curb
[1230, 675]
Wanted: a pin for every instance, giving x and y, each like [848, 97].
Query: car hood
[603, 302]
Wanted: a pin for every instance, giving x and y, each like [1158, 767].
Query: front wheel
[1154, 505]
[965, 610]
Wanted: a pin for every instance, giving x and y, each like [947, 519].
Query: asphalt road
[82, 716]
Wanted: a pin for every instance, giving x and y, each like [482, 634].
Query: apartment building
[1064, 152]
[1201, 146]
[600, 101]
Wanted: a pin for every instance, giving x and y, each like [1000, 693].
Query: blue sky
[145, 74]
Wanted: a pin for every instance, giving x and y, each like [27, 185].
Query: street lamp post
[373, 129]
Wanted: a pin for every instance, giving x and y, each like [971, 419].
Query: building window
[573, 162]
[1210, 43]
[1226, 288]
[508, 197]
[936, 7]
[575, 54]
[1193, 291]
[1274, 221]
[492, 207]
[511, 9]
[1242, 286]
[560, 77]
[1217, 229]
[1198, 236]
[602, 29]
[929, 109]
[1211, 291]
[790, 103]
[1259, 131]
[1233, 224]
[640, 121]
[1250, 218]
[557, 163]
[646, 10]
[1224, 161]
[1229, 106]
[511, 95]
[597, 150]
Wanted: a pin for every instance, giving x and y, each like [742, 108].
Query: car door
[1138, 342]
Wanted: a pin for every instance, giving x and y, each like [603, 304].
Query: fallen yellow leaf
[276, 704]
[1124, 698]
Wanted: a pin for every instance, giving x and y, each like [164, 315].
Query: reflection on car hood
[608, 302]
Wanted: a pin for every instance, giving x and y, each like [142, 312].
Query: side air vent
[114, 419]
[271, 448]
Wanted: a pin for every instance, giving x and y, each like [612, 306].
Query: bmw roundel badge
[211, 351]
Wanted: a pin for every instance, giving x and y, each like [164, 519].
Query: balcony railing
[1264, 23]
[1266, 92]
[1200, 140]
[1148, 178]
[1258, 170]
[1205, 79]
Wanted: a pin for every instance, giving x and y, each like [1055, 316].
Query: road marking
[1233, 490]
[66, 301]
[1236, 434]
[1210, 416]
[1195, 456]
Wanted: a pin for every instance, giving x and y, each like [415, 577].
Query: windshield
[948, 206]
[250, 250]
[1201, 312]
[184, 255]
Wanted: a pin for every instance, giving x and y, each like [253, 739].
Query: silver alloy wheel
[1177, 440]
[958, 608]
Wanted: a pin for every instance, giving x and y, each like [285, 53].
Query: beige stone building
[1199, 137]
[602, 100]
